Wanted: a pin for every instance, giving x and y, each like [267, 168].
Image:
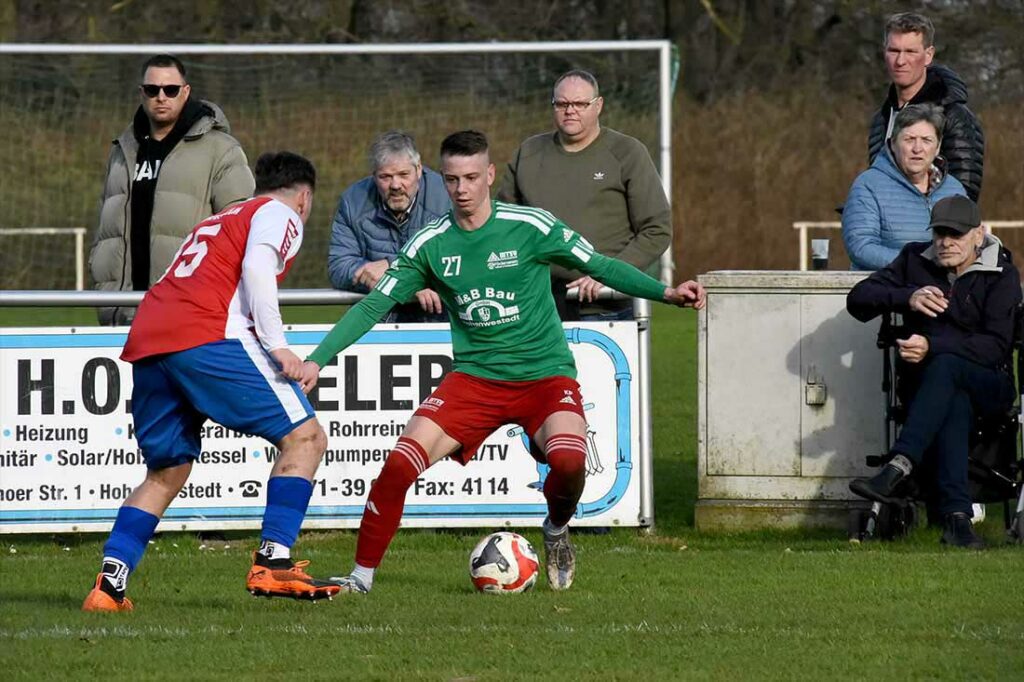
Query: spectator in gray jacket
[377, 215]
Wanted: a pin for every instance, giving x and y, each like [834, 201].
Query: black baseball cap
[956, 213]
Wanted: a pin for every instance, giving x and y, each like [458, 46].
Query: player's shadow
[217, 604]
[840, 353]
[64, 600]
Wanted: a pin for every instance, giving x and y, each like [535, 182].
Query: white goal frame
[662, 47]
[79, 234]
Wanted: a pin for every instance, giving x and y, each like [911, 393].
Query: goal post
[53, 260]
[62, 104]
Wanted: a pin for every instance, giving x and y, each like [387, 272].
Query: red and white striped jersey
[201, 296]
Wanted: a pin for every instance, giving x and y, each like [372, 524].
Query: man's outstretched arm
[572, 251]
[625, 278]
[359, 319]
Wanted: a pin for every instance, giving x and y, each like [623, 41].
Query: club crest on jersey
[503, 259]
[487, 307]
[566, 234]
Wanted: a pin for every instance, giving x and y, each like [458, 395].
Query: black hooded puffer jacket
[963, 142]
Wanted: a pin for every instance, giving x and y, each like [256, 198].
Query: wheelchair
[995, 467]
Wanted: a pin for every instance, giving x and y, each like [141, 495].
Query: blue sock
[287, 499]
[130, 535]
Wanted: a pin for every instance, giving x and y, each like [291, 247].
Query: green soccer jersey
[495, 283]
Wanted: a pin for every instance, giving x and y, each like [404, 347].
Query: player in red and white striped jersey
[208, 343]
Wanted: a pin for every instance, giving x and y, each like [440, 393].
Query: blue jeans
[950, 392]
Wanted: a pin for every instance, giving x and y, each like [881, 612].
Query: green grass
[667, 605]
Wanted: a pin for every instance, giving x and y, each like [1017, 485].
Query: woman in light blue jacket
[890, 203]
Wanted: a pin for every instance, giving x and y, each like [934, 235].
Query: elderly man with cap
[958, 296]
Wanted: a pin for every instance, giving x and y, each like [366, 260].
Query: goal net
[59, 112]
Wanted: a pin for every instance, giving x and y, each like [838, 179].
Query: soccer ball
[503, 563]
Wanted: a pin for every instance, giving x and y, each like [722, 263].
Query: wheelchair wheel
[1015, 533]
[896, 521]
[856, 525]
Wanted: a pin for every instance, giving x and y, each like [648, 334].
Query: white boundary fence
[802, 227]
[79, 233]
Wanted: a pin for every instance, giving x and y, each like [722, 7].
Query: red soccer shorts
[470, 408]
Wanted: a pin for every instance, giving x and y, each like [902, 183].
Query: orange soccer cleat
[99, 601]
[284, 578]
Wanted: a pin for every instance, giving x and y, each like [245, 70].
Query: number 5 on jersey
[194, 247]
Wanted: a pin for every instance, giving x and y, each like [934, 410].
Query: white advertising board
[68, 456]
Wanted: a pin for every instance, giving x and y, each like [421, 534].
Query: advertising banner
[69, 458]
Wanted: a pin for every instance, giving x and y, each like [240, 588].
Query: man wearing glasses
[174, 165]
[600, 182]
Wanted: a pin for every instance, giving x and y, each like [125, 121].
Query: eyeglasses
[578, 106]
[151, 91]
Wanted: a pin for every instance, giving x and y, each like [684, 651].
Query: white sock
[275, 550]
[902, 463]
[553, 531]
[364, 575]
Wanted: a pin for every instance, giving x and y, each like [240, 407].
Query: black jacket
[963, 142]
[979, 322]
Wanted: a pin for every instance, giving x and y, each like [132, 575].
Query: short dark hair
[915, 113]
[585, 76]
[464, 143]
[910, 22]
[164, 61]
[283, 170]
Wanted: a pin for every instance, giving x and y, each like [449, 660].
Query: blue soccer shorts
[234, 382]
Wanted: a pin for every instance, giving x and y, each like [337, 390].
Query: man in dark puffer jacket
[909, 51]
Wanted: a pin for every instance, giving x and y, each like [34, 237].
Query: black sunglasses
[152, 91]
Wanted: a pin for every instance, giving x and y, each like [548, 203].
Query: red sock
[386, 501]
[567, 456]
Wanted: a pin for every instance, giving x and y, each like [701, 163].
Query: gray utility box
[790, 400]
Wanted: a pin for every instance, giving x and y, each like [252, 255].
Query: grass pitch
[669, 605]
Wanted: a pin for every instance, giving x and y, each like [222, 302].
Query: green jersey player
[489, 262]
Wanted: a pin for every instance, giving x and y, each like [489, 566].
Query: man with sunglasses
[174, 165]
[602, 183]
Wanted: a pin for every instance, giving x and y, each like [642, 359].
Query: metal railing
[13, 298]
[803, 227]
[79, 233]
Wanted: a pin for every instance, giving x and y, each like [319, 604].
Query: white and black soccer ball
[503, 563]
